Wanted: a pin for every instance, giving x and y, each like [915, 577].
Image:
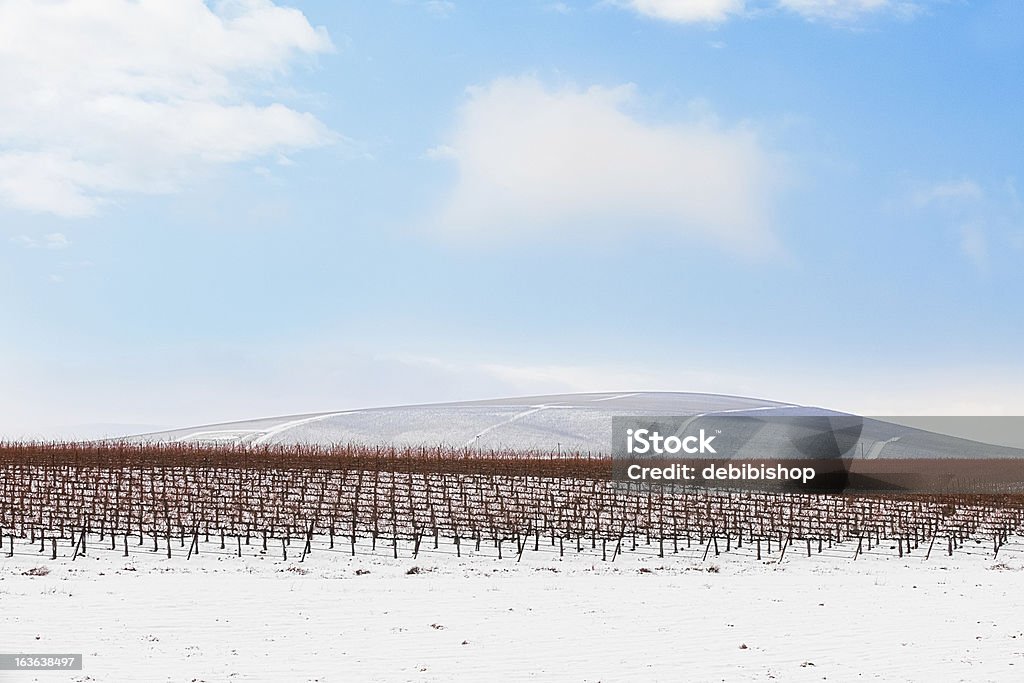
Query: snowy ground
[335, 617]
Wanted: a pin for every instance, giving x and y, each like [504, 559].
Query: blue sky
[228, 210]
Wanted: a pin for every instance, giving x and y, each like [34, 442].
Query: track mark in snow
[612, 398]
[220, 434]
[514, 418]
[746, 410]
[876, 448]
[274, 431]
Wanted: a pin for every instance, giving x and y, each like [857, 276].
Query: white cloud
[533, 161]
[104, 97]
[688, 11]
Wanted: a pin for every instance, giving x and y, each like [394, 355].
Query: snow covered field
[335, 617]
[554, 422]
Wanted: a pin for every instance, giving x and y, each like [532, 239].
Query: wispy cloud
[849, 10]
[974, 244]
[53, 240]
[717, 11]
[960, 190]
[558, 8]
[535, 161]
[109, 97]
[440, 7]
[984, 217]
